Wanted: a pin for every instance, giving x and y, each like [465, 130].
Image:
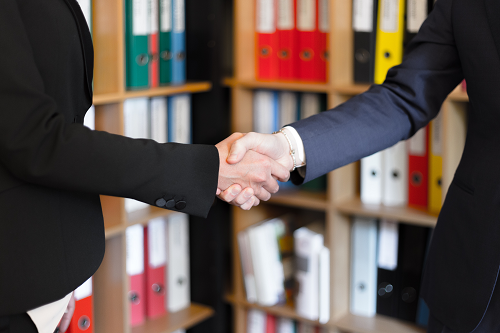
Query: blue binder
[178, 42]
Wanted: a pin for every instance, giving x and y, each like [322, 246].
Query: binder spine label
[285, 15]
[437, 142]
[416, 145]
[85, 290]
[135, 249]
[416, 14]
[388, 245]
[362, 18]
[306, 15]
[179, 24]
[166, 15]
[389, 15]
[140, 26]
[153, 7]
[156, 243]
[324, 22]
[265, 17]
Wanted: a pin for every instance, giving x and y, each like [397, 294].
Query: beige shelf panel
[303, 199]
[190, 87]
[171, 322]
[280, 311]
[403, 214]
[377, 324]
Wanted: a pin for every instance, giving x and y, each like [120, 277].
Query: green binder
[165, 41]
[136, 44]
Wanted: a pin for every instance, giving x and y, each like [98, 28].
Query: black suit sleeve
[410, 97]
[38, 146]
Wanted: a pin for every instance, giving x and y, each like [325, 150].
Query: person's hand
[254, 170]
[274, 146]
[68, 314]
[235, 196]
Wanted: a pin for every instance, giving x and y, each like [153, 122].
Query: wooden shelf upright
[111, 284]
[341, 199]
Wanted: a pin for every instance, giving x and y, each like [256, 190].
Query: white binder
[324, 285]
[256, 321]
[395, 175]
[288, 108]
[158, 119]
[265, 111]
[363, 267]
[371, 179]
[178, 295]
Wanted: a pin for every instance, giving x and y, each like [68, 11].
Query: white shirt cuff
[297, 145]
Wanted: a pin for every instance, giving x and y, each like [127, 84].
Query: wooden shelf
[403, 214]
[458, 95]
[377, 324]
[171, 322]
[304, 199]
[352, 89]
[189, 87]
[295, 86]
[280, 311]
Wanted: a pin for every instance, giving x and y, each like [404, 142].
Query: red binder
[324, 29]
[266, 40]
[310, 41]
[270, 323]
[288, 53]
[83, 319]
[418, 175]
[154, 46]
[155, 252]
[135, 271]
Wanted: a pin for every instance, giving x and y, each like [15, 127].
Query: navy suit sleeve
[410, 97]
[38, 146]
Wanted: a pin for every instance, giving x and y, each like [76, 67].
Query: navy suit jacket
[52, 168]
[460, 38]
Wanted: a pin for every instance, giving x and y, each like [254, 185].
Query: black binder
[364, 49]
[409, 35]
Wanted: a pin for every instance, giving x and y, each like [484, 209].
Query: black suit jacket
[460, 38]
[52, 168]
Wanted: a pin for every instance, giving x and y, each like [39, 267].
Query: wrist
[286, 149]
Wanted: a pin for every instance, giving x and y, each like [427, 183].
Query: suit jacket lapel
[492, 12]
[86, 42]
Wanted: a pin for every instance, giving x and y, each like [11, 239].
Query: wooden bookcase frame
[341, 200]
[111, 283]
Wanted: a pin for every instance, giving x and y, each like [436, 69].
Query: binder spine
[136, 44]
[165, 42]
[178, 42]
[266, 40]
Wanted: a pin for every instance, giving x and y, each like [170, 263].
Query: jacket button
[170, 203]
[180, 205]
[161, 202]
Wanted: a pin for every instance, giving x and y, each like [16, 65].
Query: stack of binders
[387, 260]
[292, 40]
[155, 46]
[162, 119]
[380, 34]
[260, 322]
[158, 267]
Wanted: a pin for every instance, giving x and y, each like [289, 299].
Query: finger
[249, 204]
[256, 202]
[218, 191]
[241, 146]
[243, 197]
[279, 171]
[68, 314]
[263, 194]
[230, 193]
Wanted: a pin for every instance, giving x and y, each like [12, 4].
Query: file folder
[247, 266]
[436, 165]
[416, 13]
[265, 111]
[83, 317]
[165, 42]
[155, 251]
[178, 42]
[178, 276]
[159, 116]
[288, 55]
[136, 43]
[135, 270]
[256, 321]
[388, 287]
[371, 179]
[418, 172]
[364, 26]
[389, 40]
[270, 323]
[309, 40]
[323, 31]
[288, 108]
[266, 40]
[285, 325]
[154, 70]
[395, 175]
[363, 266]
[179, 119]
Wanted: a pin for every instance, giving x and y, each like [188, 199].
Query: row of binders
[380, 34]
[158, 267]
[260, 322]
[409, 173]
[292, 40]
[155, 43]
[285, 266]
[274, 109]
[387, 260]
[162, 119]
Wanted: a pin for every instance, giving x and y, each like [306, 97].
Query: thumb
[238, 150]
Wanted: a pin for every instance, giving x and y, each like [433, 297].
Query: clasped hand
[250, 167]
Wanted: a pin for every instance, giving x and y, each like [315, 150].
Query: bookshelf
[341, 200]
[111, 283]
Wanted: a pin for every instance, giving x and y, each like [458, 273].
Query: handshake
[250, 166]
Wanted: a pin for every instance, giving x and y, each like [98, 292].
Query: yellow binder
[389, 40]
[435, 165]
